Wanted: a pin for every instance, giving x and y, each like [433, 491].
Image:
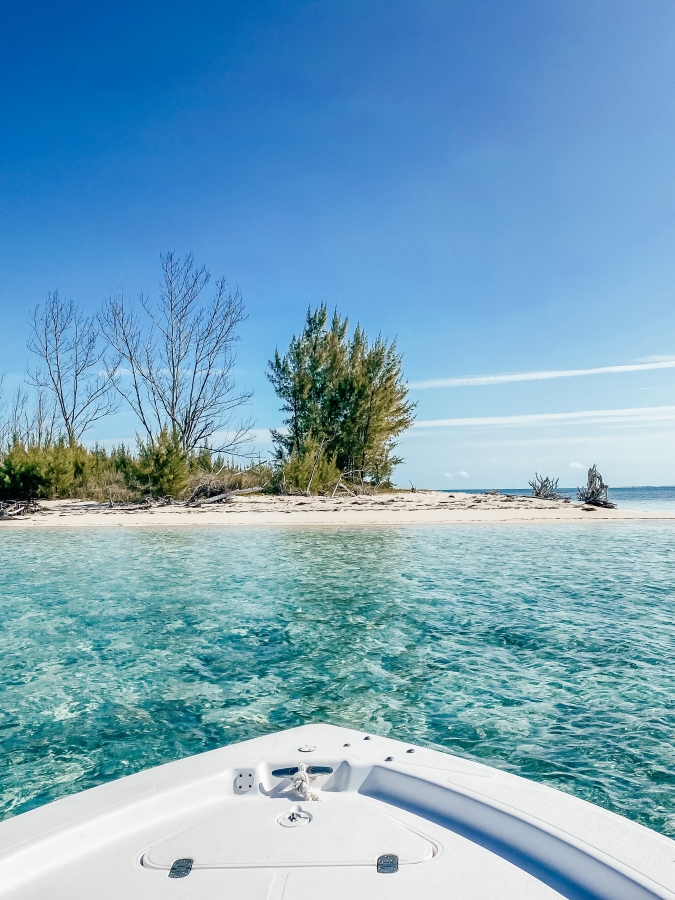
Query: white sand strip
[421, 508]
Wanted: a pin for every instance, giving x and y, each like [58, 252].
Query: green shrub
[49, 472]
[295, 473]
[21, 478]
[61, 470]
[163, 467]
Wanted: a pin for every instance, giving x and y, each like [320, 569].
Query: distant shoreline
[563, 490]
[396, 509]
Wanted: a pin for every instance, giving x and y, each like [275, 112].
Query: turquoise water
[547, 651]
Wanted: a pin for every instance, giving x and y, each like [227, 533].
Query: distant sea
[645, 498]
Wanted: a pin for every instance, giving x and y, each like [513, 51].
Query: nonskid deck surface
[389, 821]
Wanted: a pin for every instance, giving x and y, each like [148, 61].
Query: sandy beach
[420, 508]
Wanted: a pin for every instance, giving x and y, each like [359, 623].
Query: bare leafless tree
[18, 426]
[176, 366]
[13, 418]
[31, 425]
[4, 422]
[71, 365]
[43, 420]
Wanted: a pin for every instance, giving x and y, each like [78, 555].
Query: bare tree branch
[67, 345]
[43, 421]
[34, 426]
[4, 423]
[122, 330]
[181, 364]
[18, 427]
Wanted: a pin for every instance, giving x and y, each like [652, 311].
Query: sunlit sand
[420, 508]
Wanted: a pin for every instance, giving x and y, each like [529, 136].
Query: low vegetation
[159, 468]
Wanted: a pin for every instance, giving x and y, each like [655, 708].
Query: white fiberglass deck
[230, 828]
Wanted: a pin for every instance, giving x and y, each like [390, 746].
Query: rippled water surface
[545, 651]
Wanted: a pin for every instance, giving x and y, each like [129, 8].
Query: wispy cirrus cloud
[640, 414]
[543, 375]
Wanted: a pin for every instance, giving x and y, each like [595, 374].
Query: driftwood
[340, 484]
[223, 497]
[219, 498]
[544, 488]
[198, 498]
[13, 508]
[595, 492]
[349, 486]
[18, 508]
[218, 492]
[145, 503]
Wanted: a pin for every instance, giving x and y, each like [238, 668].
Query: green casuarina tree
[341, 395]
[163, 464]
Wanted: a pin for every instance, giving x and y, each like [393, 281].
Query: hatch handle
[311, 770]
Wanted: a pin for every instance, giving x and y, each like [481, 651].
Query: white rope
[301, 783]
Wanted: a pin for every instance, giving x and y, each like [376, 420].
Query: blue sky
[491, 183]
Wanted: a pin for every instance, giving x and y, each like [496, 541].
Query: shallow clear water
[547, 651]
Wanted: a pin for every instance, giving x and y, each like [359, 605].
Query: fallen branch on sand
[342, 487]
[199, 498]
[224, 497]
[18, 508]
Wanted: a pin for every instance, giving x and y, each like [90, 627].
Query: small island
[344, 399]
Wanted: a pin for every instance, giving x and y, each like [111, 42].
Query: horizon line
[620, 487]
